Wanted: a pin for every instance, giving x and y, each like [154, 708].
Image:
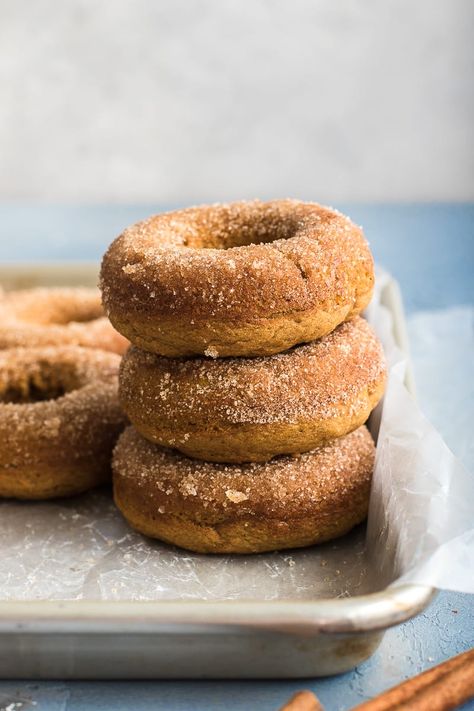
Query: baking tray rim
[359, 613]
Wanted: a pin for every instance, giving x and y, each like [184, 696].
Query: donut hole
[38, 383]
[223, 229]
[62, 314]
[58, 311]
[63, 317]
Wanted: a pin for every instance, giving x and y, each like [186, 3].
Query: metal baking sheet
[84, 596]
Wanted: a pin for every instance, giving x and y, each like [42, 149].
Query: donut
[59, 420]
[288, 502]
[251, 409]
[239, 279]
[56, 317]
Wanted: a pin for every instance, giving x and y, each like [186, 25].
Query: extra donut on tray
[59, 420]
[239, 279]
[251, 409]
[56, 317]
[207, 507]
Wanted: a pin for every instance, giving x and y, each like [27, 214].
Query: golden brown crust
[241, 279]
[215, 508]
[251, 409]
[56, 317]
[59, 420]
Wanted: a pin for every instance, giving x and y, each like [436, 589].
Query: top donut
[238, 279]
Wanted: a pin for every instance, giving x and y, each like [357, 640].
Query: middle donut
[252, 409]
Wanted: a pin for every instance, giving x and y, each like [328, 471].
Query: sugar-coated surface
[57, 405]
[56, 317]
[312, 381]
[241, 259]
[284, 486]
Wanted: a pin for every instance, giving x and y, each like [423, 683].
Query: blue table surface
[430, 250]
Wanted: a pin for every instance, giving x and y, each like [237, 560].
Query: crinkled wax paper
[419, 530]
[421, 516]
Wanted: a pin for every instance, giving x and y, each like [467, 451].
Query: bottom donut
[288, 502]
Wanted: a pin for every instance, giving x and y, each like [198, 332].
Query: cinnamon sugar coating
[59, 420]
[251, 409]
[287, 502]
[56, 317]
[243, 279]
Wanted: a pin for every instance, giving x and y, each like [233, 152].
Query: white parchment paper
[421, 516]
[420, 529]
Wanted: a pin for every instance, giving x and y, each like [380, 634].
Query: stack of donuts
[250, 376]
[59, 411]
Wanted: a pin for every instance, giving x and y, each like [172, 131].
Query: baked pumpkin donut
[288, 502]
[251, 409]
[56, 317]
[59, 420]
[242, 279]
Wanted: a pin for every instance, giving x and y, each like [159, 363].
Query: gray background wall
[188, 100]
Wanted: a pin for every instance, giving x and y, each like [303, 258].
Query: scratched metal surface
[101, 557]
[430, 250]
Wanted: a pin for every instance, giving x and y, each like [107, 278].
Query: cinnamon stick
[302, 701]
[441, 688]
